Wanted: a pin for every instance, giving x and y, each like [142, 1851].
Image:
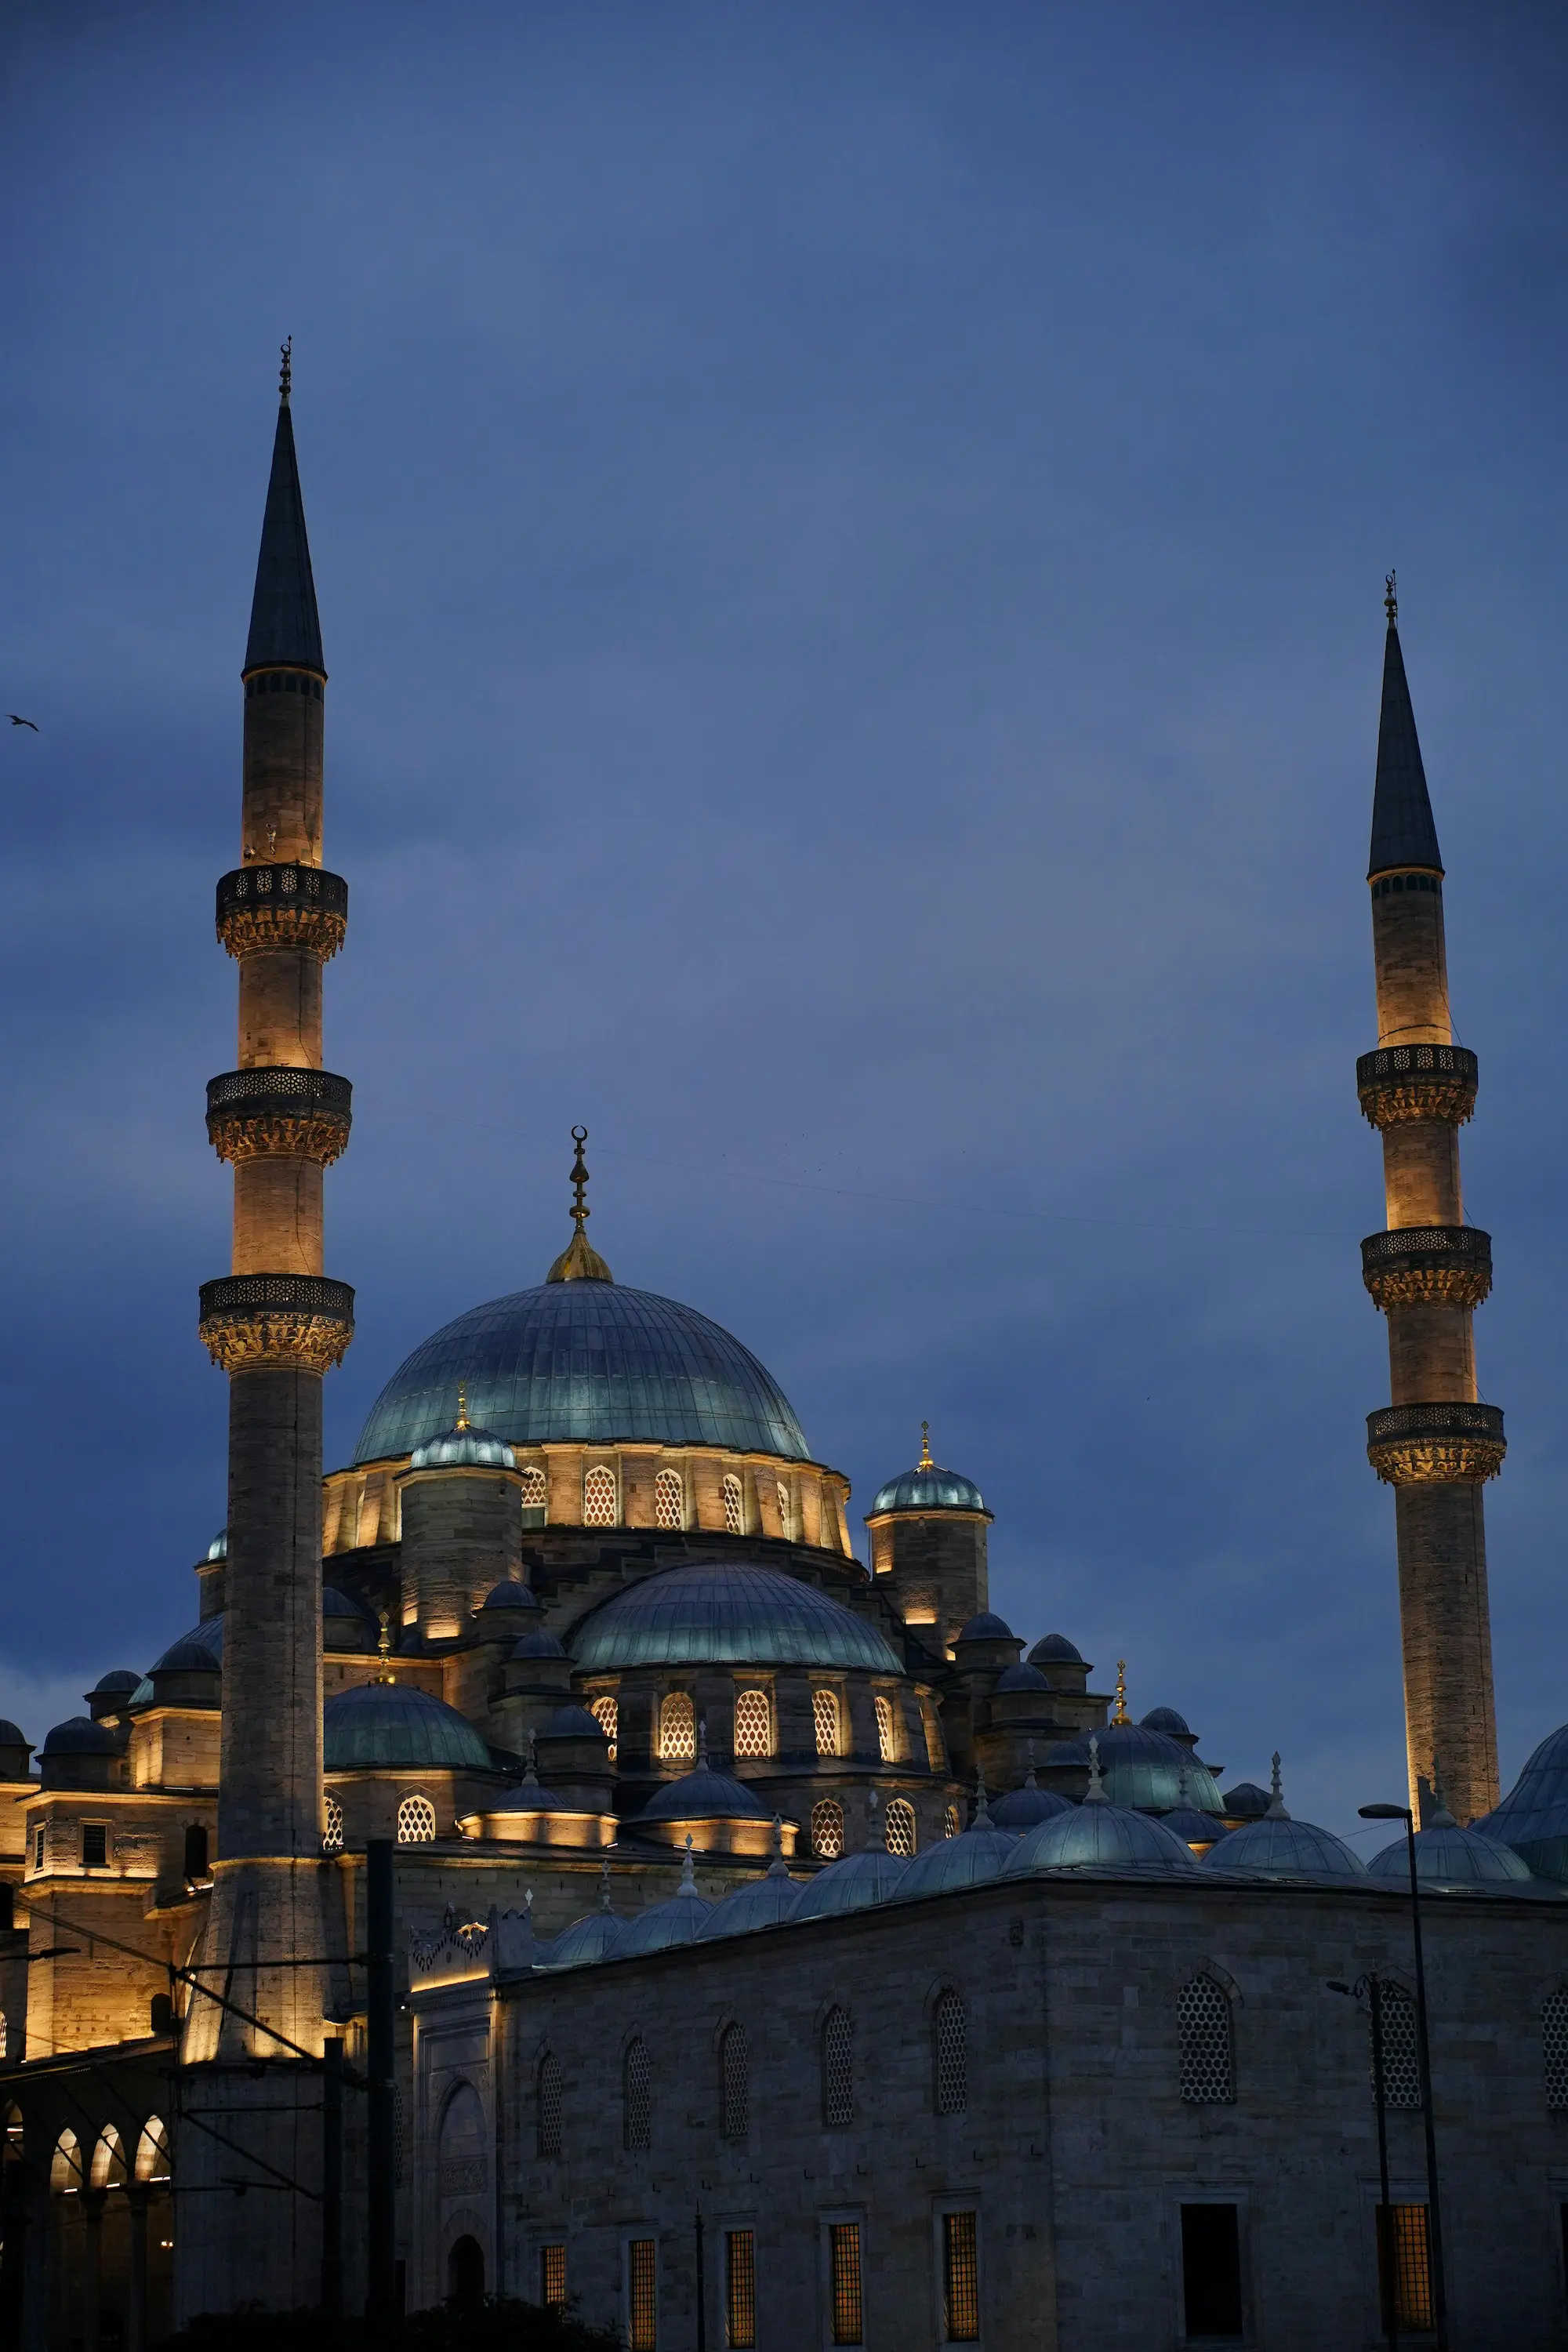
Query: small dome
[1448, 1855]
[345, 1625]
[393, 1726]
[1100, 1837]
[509, 1593]
[679, 1921]
[1024, 1808]
[463, 1448]
[927, 1487]
[585, 1940]
[1057, 1647]
[1194, 1828]
[574, 1723]
[537, 1644]
[1281, 1848]
[218, 1548]
[700, 1796]
[1166, 1719]
[81, 1737]
[1533, 1817]
[727, 1613]
[1246, 1801]
[852, 1883]
[767, 1902]
[12, 1734]
[109, 1685]
[986, 1627]
[1149, 1771]
[968, 1860]
[187, 1657]
[207, 1636]
[1022, 1677]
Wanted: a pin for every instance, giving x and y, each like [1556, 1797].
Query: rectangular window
[844, 2258]
[94, 1845]
[38, 1849]
[740, 2290]
[1211, 2269]
[961, 2277]
[1404, 2265]
[642, 2294]
[551, 2276]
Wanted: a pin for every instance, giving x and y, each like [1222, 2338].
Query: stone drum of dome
[589, 1363]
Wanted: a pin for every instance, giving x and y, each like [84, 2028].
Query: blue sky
[850, 543]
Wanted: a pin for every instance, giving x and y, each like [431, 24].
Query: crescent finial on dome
[579, 1261]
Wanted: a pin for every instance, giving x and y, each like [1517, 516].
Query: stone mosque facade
[788, 1953]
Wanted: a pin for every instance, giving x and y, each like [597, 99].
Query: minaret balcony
[1435, 1445]
[294, 906]
[1428, 1266]
[306, 1113]
[301, 1321]
[1400, 1083]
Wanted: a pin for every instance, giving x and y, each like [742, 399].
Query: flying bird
[22, 722]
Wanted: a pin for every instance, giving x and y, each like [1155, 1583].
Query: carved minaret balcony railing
[1434, 1444]
[1400, 1083]
[305, 1112]
[1424, 1265]
[282, 907]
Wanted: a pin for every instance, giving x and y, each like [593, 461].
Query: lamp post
[1387, 2274]
[1424, 2056]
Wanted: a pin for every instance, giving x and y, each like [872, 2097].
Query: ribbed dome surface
[1285, 1849]
[208, 1634]
[585, 1941]
[1147, 1769]
[1023, 1808]
[1451, 1857]
[590, 1363]
[679, 1921]
[391, 1725]
[928, 1488]
[853, 1884]
[80, 1736]
[700, 1795]
[768, 1902]
[967, 1860]
[464, 1449]
[1100, 1837]
[1533, 1817]
[727, 1614]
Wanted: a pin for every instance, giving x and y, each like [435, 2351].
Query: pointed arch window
[950, 2053]
[548, 2107]
[108, 2168]
[532, 1498]
[607, 1714]
[734, 2072]
[416, 1821]
[65, 2165]
[1554, 2047]
[677, 1729]
[887, 1732]
[828, 1829]
[669, 1499]
[1202, 2038]
[824, 1716]
[900, 1820]
[153, 2150]
[753, 1723]
[838, 2071]
[1401, 2064]
[735, 1504]
[637, 2099]
[599, 1498]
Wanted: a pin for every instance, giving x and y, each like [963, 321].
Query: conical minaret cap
[1403, 832]
[284, 623]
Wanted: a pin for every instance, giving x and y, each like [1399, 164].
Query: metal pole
[333, 2177]
[701, 2299]
[382, 2120]
[1423, 2049]
[1387, 2249]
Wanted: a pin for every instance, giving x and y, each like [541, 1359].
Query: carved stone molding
[1435, 1445]
[1427, 1265]
[306, 1112]
[261, 906]
[1399, 1083]
[305, 1320]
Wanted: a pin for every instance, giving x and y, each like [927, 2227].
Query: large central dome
[587, 1362]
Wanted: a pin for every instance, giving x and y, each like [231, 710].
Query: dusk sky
[850, 543]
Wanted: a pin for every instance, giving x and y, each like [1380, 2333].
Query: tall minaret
[275, 1325]
[1437, 1445]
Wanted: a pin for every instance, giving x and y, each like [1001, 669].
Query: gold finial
[462, 1420]
[1391, 598]
[286, 371]
[925, 1461]
[580, 1261]
[383, 1648]
[1120, 1714]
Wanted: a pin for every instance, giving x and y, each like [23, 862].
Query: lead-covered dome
[1098, 1836]
[393, 1726]
[1533, 1817]
[1448, 1855]
[589, 1363]
[727, 1613]
[928, 1487]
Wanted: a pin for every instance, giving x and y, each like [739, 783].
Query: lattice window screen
[550, 2104]
[887, 1741]
[824, 1716]
[838, 2071]
[951, 2035]
[1401, 2064]
[1554, 2048]
[332, 1835]
[534, 1490]
[639, 2099]
[1203, 2031]
[900, 1819]
[677, 1729]
[607, 1714]
[753, 1723]
[951, 1824]
[669, 1499]
[733, 1519]
[736, 2087]
[828, 1829]
[599, 1498]
[416, 1821]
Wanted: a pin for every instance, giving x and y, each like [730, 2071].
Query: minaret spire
[580, 1261]
[1436, 1444]
[284, 623]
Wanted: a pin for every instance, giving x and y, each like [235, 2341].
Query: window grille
[552, 2277]
[740, 2290]
[733, 1504]
[547, 2090]
[642, 2294]
[669, 1499]
[951, 1824]
[416, 1821]
[887, 1745]
[1401, 2064]
[94, 1845]
[1403, 2265]
[534, 1490]
[838, 2077]
[639, 2099]
[1203, 2035]
[961, 2277]
[1554, 2048]
[844, 2252]
[824, 1716]
[38, 1849]
[607, 1714]
[735, 2086]
[901, 1826]
[332, 1833]
[828, 1829]
[677, 1729]
[753, 1723]
[950, 2036]
[599, 1498]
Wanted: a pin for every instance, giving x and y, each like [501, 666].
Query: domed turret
[1277, 1847]
[1096, 1835]
[345, 1625]
[16, 1749]
[110, 1697]
[928, 1529]
[1153, 1772]
[1024, 1809]
[706, 1807]
[462, 1517]
[80, 1754]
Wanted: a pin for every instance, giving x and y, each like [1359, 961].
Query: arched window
[153, 2150]
[950, 2055]
[547, 2090]
[886, 1742]
[533, 1492]
[599, 1498]
[786, 1515]
[1401, 2065]
[824, 1716]
[65, 2165]
[669, 1499]
[607, 1714]
[196, 1850]
[753, 1723]
[838, 2071]
[416, 1821]
[108, 2168]
[735, 1509]
[951, 1824]
[900, 1819]
[828, 1829]
[678, 1728]
[637, 2099]
[332, 1835]
[1554, 2047]
[1202, 2038]
[734, 2083]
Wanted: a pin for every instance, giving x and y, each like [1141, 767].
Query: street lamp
[1388, 2278]
[1423, 2055]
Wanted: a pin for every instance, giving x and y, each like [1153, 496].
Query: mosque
[788, 1953]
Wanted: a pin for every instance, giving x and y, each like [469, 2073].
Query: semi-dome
[700, 1795]
[1099, 1836]
[573, 1722]
[1277, 1847]
[1153, 1772]
[977, 1854]
[854, 1883]
[727, 1613]
[1055, 1648]
[1448, 1855]
[588, 1363]
[1533, 1817]
[207, 1636]
[394, 1727]
[80, 1736]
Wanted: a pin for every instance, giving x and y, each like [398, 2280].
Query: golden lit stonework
[1396, 1084]
[264, 906]
[304, 1112]
[253, 1319]
[1435, 1445]
[1428, 1266]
